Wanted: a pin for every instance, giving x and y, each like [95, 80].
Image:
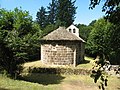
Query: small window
[69, 30]
[74, 30]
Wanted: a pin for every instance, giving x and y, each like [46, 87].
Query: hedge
[58, 70]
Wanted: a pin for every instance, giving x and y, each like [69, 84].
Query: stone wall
[61, 53]
[82, 51]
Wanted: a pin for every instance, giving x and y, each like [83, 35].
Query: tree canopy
[42, 17]
[19, 37]
[109, 41]
[52, 11]
[110, 7]
[59, 12]
[66, 12]
[99, 38]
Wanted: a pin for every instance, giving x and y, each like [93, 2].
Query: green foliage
[92, 23]
[99, 73]
[84, 31]
[110, 7]
[42, 17]
[52, 11]
[59, 12]
[99, 38]
[58, 70]
[103, 41]
[48, 29]
[110, 48]
[66, 11]
[19, 38]
[115, 45]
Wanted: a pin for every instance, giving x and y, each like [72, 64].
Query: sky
[83, 14]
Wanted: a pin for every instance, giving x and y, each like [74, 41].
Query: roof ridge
[62, 34]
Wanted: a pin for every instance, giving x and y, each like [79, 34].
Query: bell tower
[73, 29]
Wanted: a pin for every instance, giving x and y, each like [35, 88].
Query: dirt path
[78, 85]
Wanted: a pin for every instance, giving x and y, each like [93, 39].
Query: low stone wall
[69, 71]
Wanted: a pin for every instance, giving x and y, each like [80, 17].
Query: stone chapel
[63, 46]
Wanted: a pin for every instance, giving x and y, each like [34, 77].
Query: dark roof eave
[63, 40]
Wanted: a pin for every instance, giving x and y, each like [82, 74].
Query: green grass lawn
[10, 84]
[38, 67]
[87, 64]
[37, 81]
[55, 82]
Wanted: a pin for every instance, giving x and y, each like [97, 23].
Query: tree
[59, 12]
[66, 12]
[8, 22]
[92, 23]
[99, 40]
[102, 41]
[42, 17]
[19, 37]
[112, 10]
[52, 11]
[115, 45]
[84, 31]
[110, 7]
[49, 28]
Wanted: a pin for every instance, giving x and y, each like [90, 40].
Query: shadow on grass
[4, 89]
[85, 62]
[44, 79]
[118, 77]
[118, 88]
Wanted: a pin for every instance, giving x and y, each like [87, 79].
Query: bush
[58, 70]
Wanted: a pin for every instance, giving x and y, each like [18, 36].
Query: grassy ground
[36, 81]
[55, 82]
[87, 64]
[38, 67]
